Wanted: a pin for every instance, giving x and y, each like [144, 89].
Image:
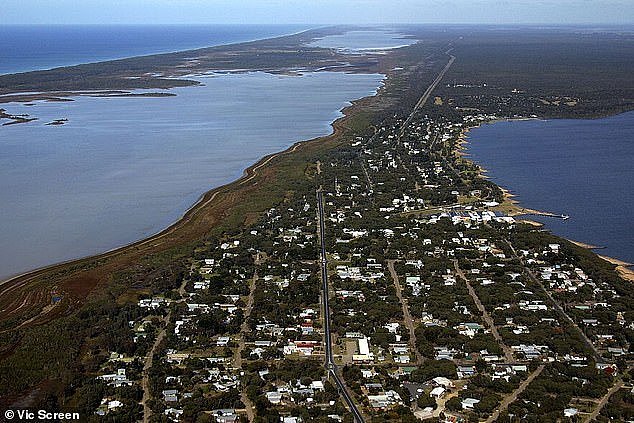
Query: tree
[454, 404]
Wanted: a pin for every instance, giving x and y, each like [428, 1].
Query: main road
[330, 363]
[423, 99]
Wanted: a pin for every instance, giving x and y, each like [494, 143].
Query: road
[426, 94]
[407, 316]
[535, 279]
[244, 330]
[149, 359]
[513, 396]
[604, 400]
[330, 363]
[508, 353]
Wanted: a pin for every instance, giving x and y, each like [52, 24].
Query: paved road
[426, 94]
[330, 364]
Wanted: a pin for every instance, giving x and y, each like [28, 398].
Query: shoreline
[250, 172]
[171, 69]
[253, 40]
[79, 279]
[512, 206]
[623, 268]
[245, 175]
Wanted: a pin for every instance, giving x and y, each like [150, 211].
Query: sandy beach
[622, 268]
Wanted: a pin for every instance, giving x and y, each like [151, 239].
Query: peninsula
[369, 275]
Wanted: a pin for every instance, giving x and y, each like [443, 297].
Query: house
[392, 327]
[170, 395]
[437, 392]
[368, 373]
[201, 285]
[385, 400]
[226, 415]
[469, 403]
[364, 350]
[425, 413]
[117, 380]
[223, 341]
[317, 385]
[554, 247]
[465, 371]
[443, 381]
[274, 397]
[173, 413]
[114, 404]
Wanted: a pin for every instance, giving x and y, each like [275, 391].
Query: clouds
[318, 11]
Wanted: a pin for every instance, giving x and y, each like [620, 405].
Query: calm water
[124, 168]
[359, 41]
[583, 168]
[32, 47]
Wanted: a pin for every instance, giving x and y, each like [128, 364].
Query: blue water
[35, 47]
[124, 168]
[582, 168]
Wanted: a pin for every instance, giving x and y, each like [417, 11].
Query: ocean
[34, 47]
[581, 168]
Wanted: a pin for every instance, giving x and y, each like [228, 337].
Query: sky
[316, 11]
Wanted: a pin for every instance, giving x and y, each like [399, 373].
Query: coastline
[171, 70]
[317, 121]
[510, 205]
[623, 268]
[169, 51]
[25, 297]
[61, 326]
[206, 197]
[220, 203]
[513, 208]
[21, 294]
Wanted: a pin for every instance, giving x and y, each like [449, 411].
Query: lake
[359, 41]
[122, 168]
[582, 168]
